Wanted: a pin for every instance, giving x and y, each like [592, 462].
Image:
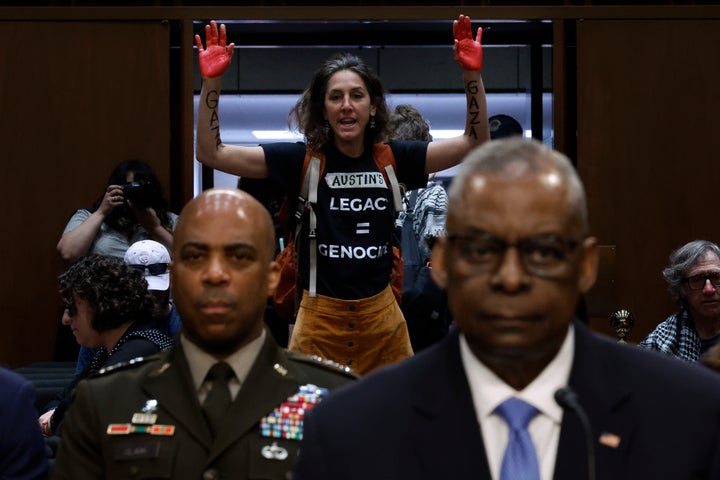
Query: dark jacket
[22, 450]
[416, 420]
[137, 342]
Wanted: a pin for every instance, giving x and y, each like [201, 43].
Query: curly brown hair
[307, 115]
[407, 123]
[115, 292]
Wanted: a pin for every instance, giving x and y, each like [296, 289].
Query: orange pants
[363, 334]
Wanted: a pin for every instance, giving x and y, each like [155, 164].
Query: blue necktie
[520, 460]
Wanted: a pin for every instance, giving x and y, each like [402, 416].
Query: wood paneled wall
[648, 105]
[76, 98]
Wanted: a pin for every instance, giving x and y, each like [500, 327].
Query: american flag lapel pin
[609, 440]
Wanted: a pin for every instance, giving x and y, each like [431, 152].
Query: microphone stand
[567, 399]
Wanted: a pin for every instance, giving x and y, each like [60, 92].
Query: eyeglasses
[697, 282]
[541, 255]
[152, 269]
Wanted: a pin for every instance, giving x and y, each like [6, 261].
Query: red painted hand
[216, 58]
[468, 52]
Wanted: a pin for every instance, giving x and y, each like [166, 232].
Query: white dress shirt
[489, 391]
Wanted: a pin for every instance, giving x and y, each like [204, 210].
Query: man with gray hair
[520, 389]
[693, 278]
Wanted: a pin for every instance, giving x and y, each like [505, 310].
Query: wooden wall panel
[76, 98]
[648, 102]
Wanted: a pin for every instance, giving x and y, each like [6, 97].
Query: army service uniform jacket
[178, 444]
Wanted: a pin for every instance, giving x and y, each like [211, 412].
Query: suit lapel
[596, 377]
[449, 443]
[264, 389]
[171, 385]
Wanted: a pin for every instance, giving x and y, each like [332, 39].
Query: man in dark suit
[171, 416]
[516, 258]
[22, 449]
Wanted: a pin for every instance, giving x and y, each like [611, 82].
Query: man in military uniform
[173, 415]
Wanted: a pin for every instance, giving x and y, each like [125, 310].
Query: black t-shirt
[355, 214]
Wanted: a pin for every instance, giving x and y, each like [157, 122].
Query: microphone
[567, 399]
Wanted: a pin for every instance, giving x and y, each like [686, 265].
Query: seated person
[108, 308]
[151, 258]
[693, 278]
[22, 451]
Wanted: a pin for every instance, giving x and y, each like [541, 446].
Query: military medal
[128, 428]
[142, 422]
[274, 452]
[286, 421]
[144, 418]
[148, 416]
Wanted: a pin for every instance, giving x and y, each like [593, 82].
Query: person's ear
[273, 277]
[588, 265]
[438, 271]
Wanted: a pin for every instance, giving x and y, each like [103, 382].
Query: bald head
[229, 206]
[223, 270]
[514, 159]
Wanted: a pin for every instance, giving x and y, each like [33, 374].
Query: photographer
[131, 208]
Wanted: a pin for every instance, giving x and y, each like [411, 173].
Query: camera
[139, 194]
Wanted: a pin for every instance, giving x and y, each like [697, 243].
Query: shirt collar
[489, 391]
[200, 362]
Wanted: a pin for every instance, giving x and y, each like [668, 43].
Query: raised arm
[444, 154]
[77, 242]
[209, 149]
[148, 218]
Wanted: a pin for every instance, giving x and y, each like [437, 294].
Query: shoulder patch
[322, 363]
[135, 362]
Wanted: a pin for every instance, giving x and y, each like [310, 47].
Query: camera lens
[138, 193]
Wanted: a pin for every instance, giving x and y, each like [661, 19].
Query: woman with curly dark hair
[108, 308]
[131, 208]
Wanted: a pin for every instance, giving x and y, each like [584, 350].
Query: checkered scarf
[675, 336]
[429, 215]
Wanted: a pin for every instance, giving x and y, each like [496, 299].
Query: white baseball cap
[152, 258]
